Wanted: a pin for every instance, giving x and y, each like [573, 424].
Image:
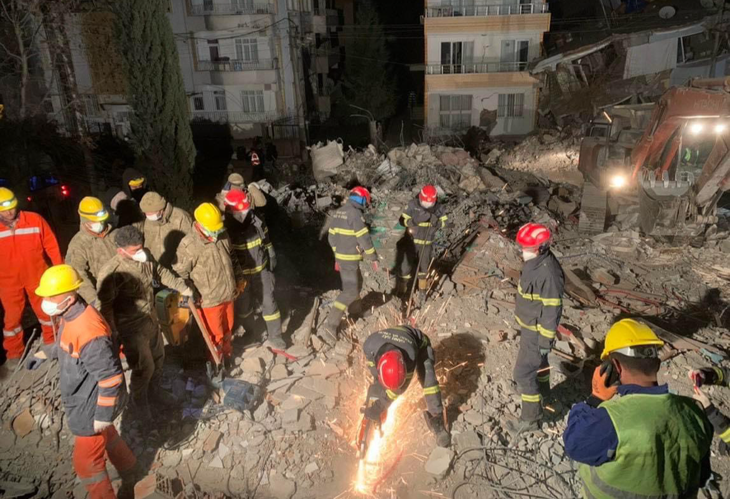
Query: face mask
[529, 255]
[154, 217]
[50, 308]
[427, 205]
[97, 227]
[240, 216]
[140, 256]
[214, 234]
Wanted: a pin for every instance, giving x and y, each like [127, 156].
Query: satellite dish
[668, 12]
[708, 4]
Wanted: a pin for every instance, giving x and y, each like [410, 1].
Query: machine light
[720, 128]
[618, 181]
[696, 128]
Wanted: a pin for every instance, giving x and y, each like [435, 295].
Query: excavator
[676, 170]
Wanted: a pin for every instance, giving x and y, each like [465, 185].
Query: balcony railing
[238, 116]
[215, 9]
[487, 10]
[236, 65]
[476, 68]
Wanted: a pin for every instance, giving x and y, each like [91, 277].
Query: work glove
[374, 264]
[100, 426]
[704, 376]
[375, 411]
[33, 363]
[337, 267]
[701, 397]
[187, 292]
[272, 259]
[599, 386]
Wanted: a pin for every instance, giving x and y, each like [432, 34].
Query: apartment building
[477, 53]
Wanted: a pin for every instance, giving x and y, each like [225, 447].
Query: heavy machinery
[678, 168]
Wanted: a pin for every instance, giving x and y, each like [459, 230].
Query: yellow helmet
[209, 216]
[57, 280]
[626, 334]
[8, 201]
[92, 208]
[136, 182]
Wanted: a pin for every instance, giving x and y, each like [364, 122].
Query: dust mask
[153, 216]
[529, 254]
[427, 205]
[240, 216]
[50, 308]
[140, 256]
[97, 227]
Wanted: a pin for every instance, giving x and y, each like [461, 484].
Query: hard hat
[57, 280]
[362, 192]
[209, 216]
[136, 182]
[626, 334]
[8, 201]
[237, 200]
[533, 235]
[428, 194]
[255, 159]
[152, 202]
[392, 370]
[235, 179]
[92, 208]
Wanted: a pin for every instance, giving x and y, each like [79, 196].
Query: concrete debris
[281, 488]
[439, 462]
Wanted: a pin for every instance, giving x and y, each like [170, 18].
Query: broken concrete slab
[262, 411]
[211, 440]
[281, 488]
[289, 419]
[294, 402]
[311, 468]
[278, 372]
[468, 440]
[439, 462]
[253, 366]
[323, 369]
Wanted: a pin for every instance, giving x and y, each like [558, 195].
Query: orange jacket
[25, 250]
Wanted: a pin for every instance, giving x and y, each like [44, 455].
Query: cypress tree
[161, 135]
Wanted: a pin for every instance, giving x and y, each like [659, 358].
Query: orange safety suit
[25, 249]
[219, 321]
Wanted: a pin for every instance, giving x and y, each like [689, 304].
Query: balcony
[236, 65]
[231, 9]
[238, 116]
[476, 68]
[487, 10]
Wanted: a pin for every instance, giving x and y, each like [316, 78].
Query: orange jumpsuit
[25, 251]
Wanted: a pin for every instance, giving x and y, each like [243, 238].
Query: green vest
[662, 440]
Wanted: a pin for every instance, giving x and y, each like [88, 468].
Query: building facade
[477, 56]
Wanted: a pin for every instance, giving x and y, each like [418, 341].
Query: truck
[672, 159]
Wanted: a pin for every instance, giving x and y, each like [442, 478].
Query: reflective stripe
[543, 379]
[425, 224]
[725, 435]
[45, 323]
[361, 232]
[340, 306]
[538, 329]
[106, 401]
[255, 270]
[250, 245]
[269, 246]
[432, 390]
[371, 363]
[391, 395]
[370, 251]
[344, 232]
[405, 277]
[273, 317]
[14, 332]
[422, 242]
[720, 373]
[20, 232]
[99, 477]
[622, 494]
[531, 398]
[111, 382]
[405, 217]
[349, 258]
[548, 302]
[444, 218]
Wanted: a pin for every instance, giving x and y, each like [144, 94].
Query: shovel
[215, 373]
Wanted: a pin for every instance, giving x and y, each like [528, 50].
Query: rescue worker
[538, 311]
[422, 218]
[257, 258]
[91, 383]
[350, 240]
[163, 228]
[123, 210]
[206, 258]
[134, 184]
[126, 297]
[716, 376]
[27, 243]
[91, 247]
[235, 183]
[645, 443]
[393, 355]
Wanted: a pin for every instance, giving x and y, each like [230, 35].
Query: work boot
[11, 364]
[517, 427]
[436, 425]
[401, 287]
[276, 342]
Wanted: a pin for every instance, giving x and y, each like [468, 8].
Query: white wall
[487, 46]
[233, 96]
[227, 45]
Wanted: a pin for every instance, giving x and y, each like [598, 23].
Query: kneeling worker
[647, 442]
[91, 382]
[392, 356]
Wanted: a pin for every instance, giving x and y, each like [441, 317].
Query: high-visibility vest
[662, 440]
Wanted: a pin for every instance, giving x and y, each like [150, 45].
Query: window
[455, 111]
[242, 5]
[693, 47]
[198, 103]
[252, 101]
[220, 100]
[214, 48]
[514, 55]
[454, 56]
[511, 105]
[247, 49]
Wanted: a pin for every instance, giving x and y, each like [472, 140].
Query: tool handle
[206, 335]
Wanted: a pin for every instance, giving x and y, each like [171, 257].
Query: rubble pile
[548, 152]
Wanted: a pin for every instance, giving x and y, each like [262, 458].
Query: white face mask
[140, 256]
[529, 255]
[240, 215]
[153, 216]
[427, 205]
[97, 227]
[50, 308]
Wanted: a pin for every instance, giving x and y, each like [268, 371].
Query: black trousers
[407, 258]
[260, 289]
[351, 279]
[532, 375]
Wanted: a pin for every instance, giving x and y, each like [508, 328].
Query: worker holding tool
[91, 247]
[422, 218]
[716, 376]
[250, 240]
[27, 244]
[163, 228]
[206, 258]
[645, 443]
[127, 302]
[350, 240]
[538, 310]
[91, 383]
[393, 355]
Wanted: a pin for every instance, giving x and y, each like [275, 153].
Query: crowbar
[206, 335]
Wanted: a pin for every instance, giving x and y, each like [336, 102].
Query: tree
[161, 134]
[366, 82]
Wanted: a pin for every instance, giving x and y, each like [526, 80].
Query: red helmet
[533, 235]
[362, 192]
[392, 370]
[255, 159]
[237, 200]
[428, 194]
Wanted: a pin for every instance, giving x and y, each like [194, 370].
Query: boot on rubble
[328, 335]
[517, 427]
[436, 425]
[401, 287]
[276, 342]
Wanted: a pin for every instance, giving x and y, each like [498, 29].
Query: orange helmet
[428, 194]
[392, 370]
[237, 200]
[533, 235]
[362, 192]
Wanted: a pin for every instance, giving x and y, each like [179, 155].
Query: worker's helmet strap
[640, 351]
